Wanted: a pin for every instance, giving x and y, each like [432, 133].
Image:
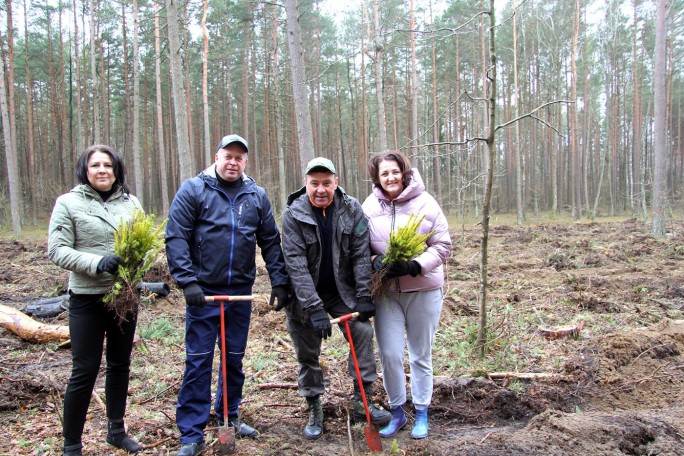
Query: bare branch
[548, 125]
[530, 114]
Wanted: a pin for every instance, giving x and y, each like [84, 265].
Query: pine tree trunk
[660, 126]
[137, 152]
[160, 146]
[382, 122]
[301, 98]
[179, 102]
[205, 72]
[11, 159]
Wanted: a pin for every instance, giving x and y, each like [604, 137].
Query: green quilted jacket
[81, 232]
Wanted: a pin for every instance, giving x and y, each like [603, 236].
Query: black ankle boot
[73, 450]
[314, 427]
[116, 436]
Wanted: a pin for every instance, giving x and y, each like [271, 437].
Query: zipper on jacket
[393, 215]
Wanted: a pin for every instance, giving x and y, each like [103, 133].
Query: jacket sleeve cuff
[311, 309]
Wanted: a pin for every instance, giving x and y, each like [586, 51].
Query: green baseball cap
[320, 162]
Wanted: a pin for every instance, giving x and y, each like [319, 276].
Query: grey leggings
[412, 318]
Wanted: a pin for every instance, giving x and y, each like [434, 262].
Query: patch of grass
[262, 360]
[163, 330]
[675, 251]
[455, 349]
[517, 387]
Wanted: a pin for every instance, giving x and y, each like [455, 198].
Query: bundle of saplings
[138, 242]
[405, 243]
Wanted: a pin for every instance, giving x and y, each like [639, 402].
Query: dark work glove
[402, 268]
[110, 264]
[366, 309]
[377, 262]
[279, 293]
[194, 296]
[321, 324]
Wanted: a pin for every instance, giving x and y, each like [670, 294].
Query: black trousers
[89, 323]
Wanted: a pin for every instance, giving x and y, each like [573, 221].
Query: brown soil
[615, 389]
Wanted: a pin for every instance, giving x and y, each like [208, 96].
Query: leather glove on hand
[377, 262]
[280, 294]
[321, 324]
[194, 296]
[402, 268]
[110, 264]
[366, 309]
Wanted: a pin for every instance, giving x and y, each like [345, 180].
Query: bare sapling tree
[490, 140]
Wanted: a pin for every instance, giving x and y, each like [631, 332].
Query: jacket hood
[413, 189]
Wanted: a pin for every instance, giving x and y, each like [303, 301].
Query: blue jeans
[202, 329]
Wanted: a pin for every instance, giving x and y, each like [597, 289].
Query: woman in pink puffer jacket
[410, 313]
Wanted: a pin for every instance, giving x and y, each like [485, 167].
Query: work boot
[378, 416]
[242, 429]
[190, 449]
[73, 450]
[314, 428]
[420, 427]
[116, 436]
[397, 422]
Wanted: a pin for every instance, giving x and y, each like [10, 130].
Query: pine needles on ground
[138, 242]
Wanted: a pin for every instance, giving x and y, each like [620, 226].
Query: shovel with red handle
[372, 432]
[226, 434]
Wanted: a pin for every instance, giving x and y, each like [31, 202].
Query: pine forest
[573, 88]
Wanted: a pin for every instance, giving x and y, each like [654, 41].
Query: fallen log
[526, 376]
[278, 385]
[559, 332]
[29, 329]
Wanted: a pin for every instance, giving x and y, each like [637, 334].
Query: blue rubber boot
[397, 422]
[420, 427]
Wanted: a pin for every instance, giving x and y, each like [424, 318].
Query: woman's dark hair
[117, 163]
[390, 155]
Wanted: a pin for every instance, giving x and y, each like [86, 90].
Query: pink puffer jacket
[385, 215]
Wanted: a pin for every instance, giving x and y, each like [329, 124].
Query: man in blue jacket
[215, 222]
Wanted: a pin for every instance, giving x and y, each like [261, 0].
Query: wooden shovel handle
[344, 318]
[218, 298]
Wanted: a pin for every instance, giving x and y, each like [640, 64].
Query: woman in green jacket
[81, 240]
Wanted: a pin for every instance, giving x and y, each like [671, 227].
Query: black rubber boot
[73, 449]
[116, 436]
[379, 416]
[314, 428]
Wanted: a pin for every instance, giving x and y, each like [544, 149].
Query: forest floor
[617, 387]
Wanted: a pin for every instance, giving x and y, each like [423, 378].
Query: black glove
[110, 264]
[194, 296]
[321, 324]
[280, 294]
[377, 262]
[366, 309]
[402, 268]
